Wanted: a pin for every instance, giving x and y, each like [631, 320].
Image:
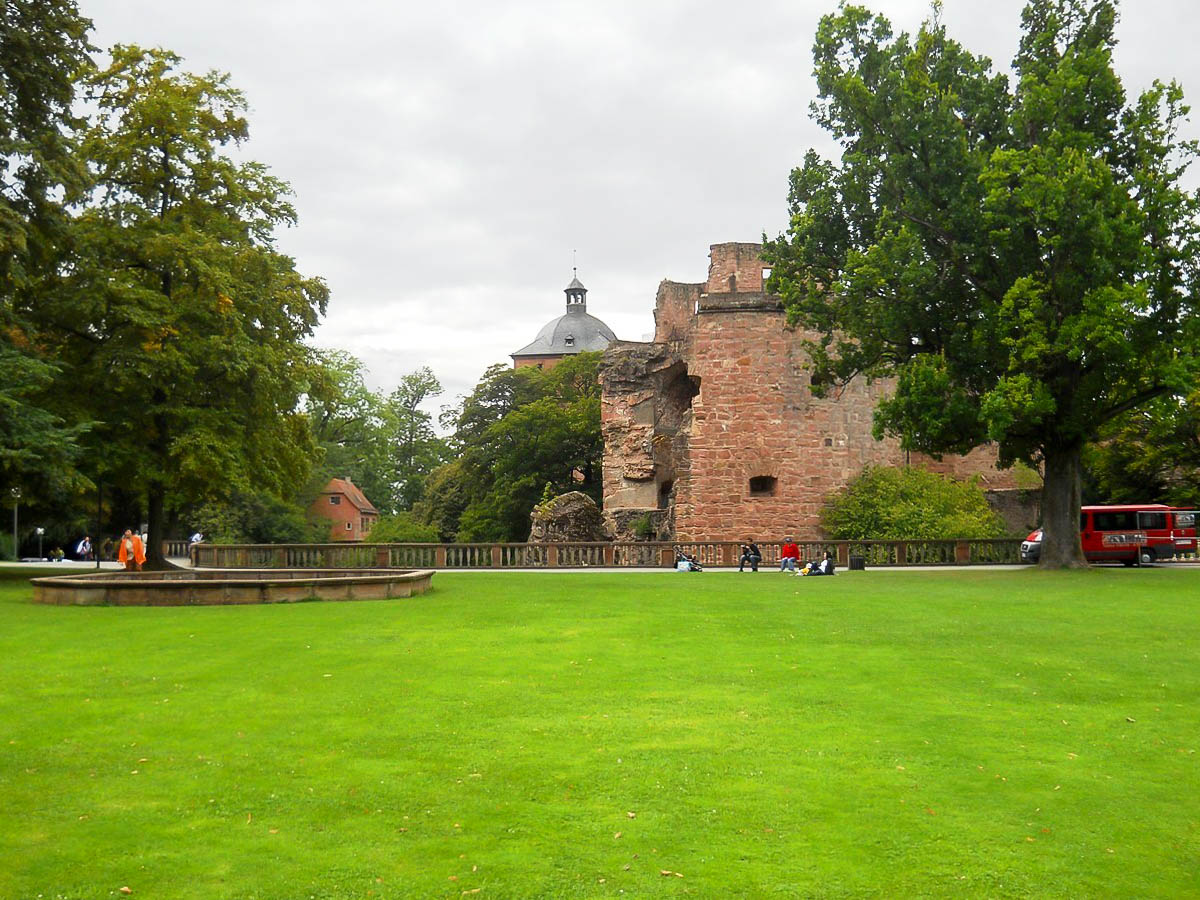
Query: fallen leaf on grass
[930, 811]
[616, 834]
[631, 814]
[472, 891]
[249, 816]
[126, 889]
[1130, 719]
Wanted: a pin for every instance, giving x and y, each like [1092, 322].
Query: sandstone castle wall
[713, 429]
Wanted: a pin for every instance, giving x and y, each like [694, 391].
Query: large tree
[1021, 257]
[43, 49]
[180, 325]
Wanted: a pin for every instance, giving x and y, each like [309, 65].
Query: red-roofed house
[349, 512]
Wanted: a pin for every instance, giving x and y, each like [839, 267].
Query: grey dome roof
[574, 332]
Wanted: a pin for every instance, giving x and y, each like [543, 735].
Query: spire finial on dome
[575, 291]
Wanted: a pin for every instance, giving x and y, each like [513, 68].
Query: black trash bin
[858, 563]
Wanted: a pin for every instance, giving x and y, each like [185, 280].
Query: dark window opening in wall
[763, 485]
[349, 526]
[828, 442]
[733, 284]
[569, 340]
[335, 500]
[664, 494]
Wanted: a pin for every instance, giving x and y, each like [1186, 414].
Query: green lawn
[990, 734]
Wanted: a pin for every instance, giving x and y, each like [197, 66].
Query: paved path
[75, 568]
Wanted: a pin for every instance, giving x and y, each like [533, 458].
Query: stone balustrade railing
[640, 554]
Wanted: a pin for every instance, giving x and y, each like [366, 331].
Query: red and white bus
[1127, 534]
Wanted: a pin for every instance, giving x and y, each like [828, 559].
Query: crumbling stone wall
[573, 516]
[715, 421]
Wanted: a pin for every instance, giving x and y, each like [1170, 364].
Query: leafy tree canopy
[520, 434]
[179, 326]
[1152, 453]
[43, 48]
[1021, 257]
[385, 443]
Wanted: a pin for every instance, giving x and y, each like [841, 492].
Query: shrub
[885, 503]
[643, 528]
[402, 528]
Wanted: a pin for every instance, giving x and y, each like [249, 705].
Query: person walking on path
[131, 552]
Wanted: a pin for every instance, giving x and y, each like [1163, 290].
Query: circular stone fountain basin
[217, 587]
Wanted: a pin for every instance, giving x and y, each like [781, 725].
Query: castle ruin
[712, 432]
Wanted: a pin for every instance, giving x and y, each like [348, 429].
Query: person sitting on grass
[823, 567]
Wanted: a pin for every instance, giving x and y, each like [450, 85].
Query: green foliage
[402, 528]
[38, 449]
[1022, 257]
[43, 48]
[385, 443]
[179, 325]
[43, 45]
[885, 503]
[522, 435]
[643, 527]
[257, 518]
[1150, 455]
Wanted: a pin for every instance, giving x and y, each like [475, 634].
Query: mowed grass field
[891, 734]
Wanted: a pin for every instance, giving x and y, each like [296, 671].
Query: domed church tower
[567, 335]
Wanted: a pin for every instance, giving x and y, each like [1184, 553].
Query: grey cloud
[448, 158]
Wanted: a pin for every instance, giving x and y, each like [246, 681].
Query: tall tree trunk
[1060, 509]
[156, 493]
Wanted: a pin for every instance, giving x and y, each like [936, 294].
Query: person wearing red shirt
[789, 556]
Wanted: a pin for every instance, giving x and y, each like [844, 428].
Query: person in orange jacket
[131, 552]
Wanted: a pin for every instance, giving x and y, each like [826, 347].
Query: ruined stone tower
[712, 430]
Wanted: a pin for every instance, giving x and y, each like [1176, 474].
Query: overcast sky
[448, 158]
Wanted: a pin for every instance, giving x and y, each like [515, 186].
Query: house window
[349, 526]
[569, 340]
[334, 500]
[762, 486]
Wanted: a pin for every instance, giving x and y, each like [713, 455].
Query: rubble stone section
[715, 421]
[573, 516]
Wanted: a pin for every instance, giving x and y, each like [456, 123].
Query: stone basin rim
[236, 576]
[228, 587]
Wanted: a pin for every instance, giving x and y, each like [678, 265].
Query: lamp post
[40, 531]
[16, 499]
